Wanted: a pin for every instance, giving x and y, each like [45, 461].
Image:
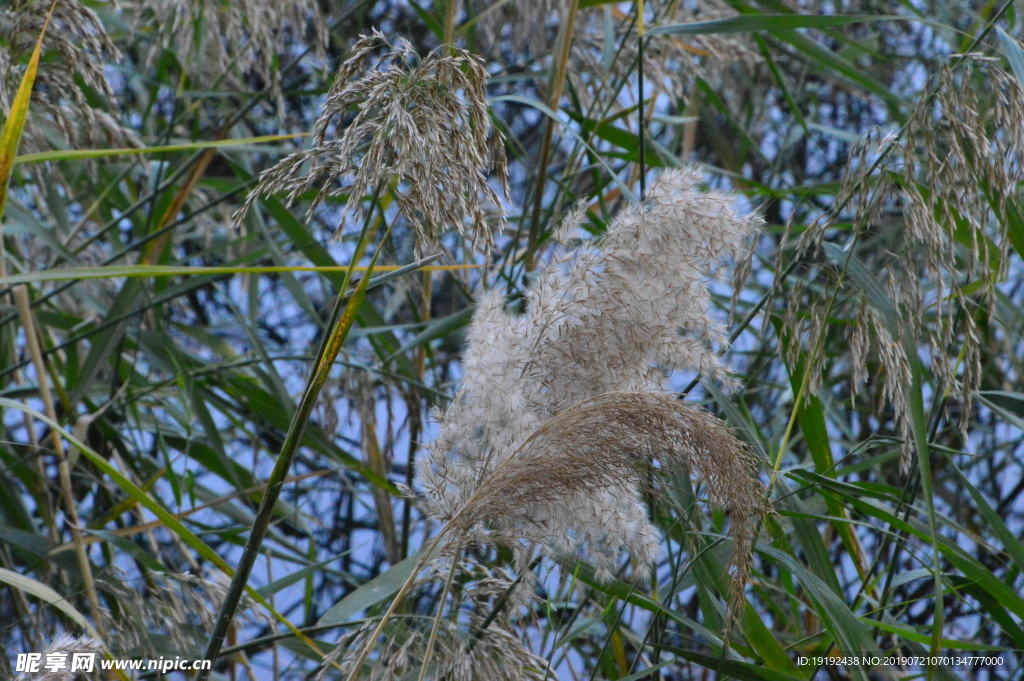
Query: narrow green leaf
[379, 588]
[547, 111]
[643, 674]
[438, 329]
[914, 635]
[82, 154]
[129, 547]
[297, 576]
[112, 271]
[49, 596]
[1014, 54]
[765, 644]
[742, 671]
[747, 23]
[1007, 538]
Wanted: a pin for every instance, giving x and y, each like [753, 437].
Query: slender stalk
[449, 24]
[64, 470]
[438, 617]
[640, 89]
[555, 87]
[341, 322]
[372, 640]
[415, 414]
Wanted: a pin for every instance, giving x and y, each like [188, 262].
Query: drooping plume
[562, 408]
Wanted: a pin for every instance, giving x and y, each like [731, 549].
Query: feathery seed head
[951, 178]
[421, 129]
[68, 645]
[559, 408]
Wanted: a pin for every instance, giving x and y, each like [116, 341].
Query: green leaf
[1007, 538]
[49, 596]
[379, 588]
[81, 154]
[1015, 225]
[643, 674]
[438, 329]
[850, 634]
[112, 271]
[765, 644]
[1014, 54]
[914, 635]
[129, 547]
[547, 111]
[297, 576]
[747, 23]
[742, 671]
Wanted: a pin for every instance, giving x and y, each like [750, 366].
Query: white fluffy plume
[613, 316]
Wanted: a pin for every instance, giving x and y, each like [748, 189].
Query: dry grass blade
[17, 116]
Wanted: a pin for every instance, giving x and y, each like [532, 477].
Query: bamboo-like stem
[381, 497]
[46, 506]
[438, 617]
[415, 417]
[21, 301]
[342, 319]
[449, 24]
[555, 87]
[640, 89]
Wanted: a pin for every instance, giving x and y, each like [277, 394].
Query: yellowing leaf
[15, 124]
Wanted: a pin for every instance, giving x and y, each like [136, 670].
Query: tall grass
[357, 339]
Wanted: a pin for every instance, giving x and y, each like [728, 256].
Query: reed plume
[421, 129]
[670, 61]
[561, 410]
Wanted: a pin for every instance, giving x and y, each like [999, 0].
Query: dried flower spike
[421, 129]
[68, 646]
